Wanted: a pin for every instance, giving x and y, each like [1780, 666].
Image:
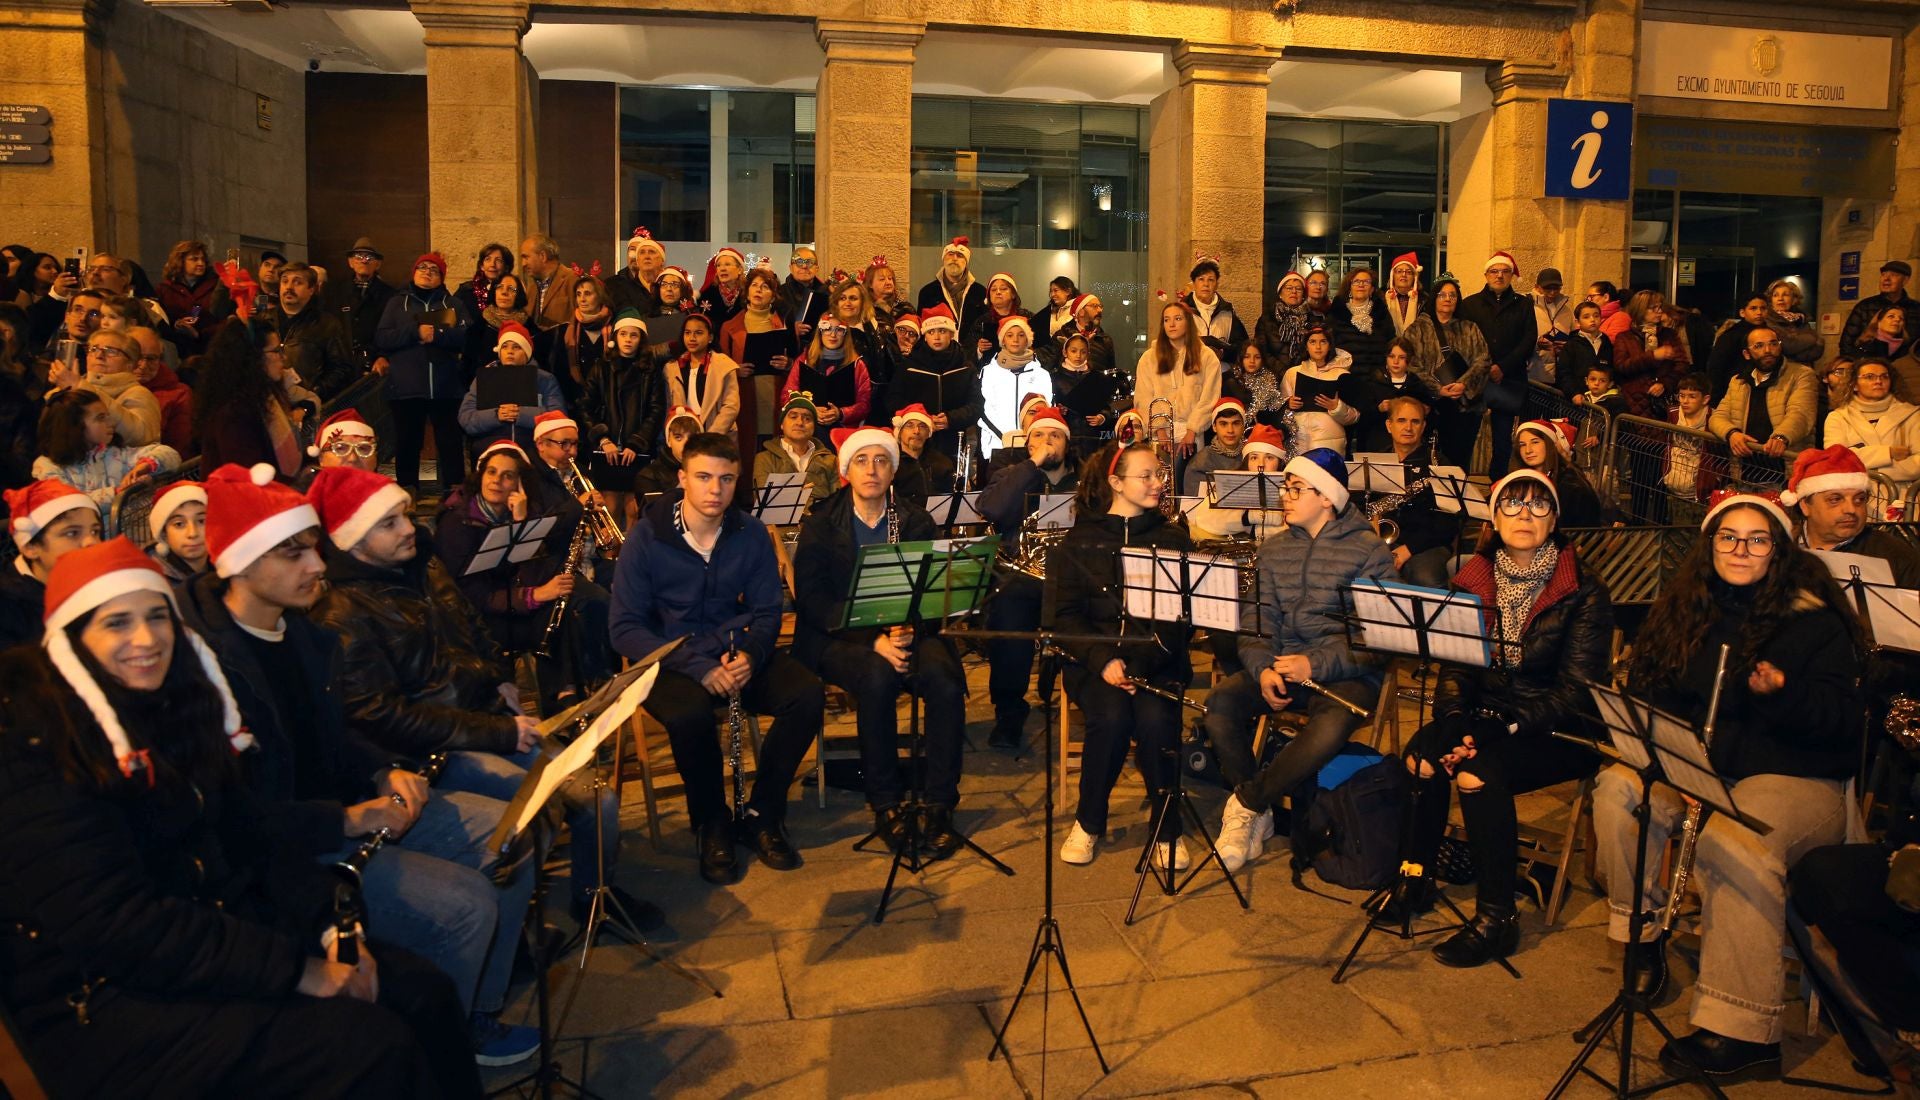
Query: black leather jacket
[1567, 639]
[420, 673]
[625, 400]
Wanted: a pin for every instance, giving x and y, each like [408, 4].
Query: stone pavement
[1196, 998]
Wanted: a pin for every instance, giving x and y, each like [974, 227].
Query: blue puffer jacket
[664, 590]
[1303, 582]
[416, 370]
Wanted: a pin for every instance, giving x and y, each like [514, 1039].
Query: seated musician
[1011, 447]
[1546, 447]
[1118, 504]
[49, 519]
[1834, 494]
[1491, 736]
[1296, 632]
[923, 472]
[698, 569]
[178, 520]
[1265, 451]
[150, 945]
[875, 665]
[1223, 453]
[795, 449]
[588, 662]
[1009, 498]
[1425, 544]
[432, 890]
[419, 674]
[1786, 736]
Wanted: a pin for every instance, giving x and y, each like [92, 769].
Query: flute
[1171, 697]
[1352, 708]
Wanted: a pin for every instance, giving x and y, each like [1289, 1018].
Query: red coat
[176, 411]
[1635, 369]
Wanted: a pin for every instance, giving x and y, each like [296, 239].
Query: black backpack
[1350, 835]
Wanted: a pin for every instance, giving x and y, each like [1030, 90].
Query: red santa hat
[351, 500]
[1836, 467]
[500, 446]
[169, 501]
[1049, 414]
[1768, 502]
[1003, 277]
[712, 276]
[248, 514]
[940, 316]
[516, 332]
[915, 411]
[960, 245]
[849, 442]
[84, 580]
[643, 238]
[687, 411]
[344, 422]
[907, 320]
[36, 505]
[1405, 259]
[551, 421]
[1560, 433]
[1229, 404]
[1265, 439]
[1502, 257]
[1525, 474]
[679, 273]
[1129, 426]
[1015, 320]
[1083, 301]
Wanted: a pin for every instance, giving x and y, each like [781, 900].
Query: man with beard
[1505, 317]
[955, 288]
[1015, 493]
[923, 472]
[1769, 412]
[316, 342]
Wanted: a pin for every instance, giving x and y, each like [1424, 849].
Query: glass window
[665, 167]
[769, 168]
[1347, 194]
[1711, 249]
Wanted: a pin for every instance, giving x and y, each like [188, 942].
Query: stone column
[1903, 237]
[482, 163]
[50, 57]
[1594, 240]
[1207, 171]
[863, 144]
[1498, 179]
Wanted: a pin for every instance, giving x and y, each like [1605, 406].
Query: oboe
[1696, 814]
[1169, 696]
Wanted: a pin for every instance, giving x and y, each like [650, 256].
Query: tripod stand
[1171, 803]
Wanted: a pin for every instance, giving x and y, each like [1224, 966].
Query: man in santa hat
[633, 286]
[1505, 318]
[433, 893]
[923, 472]
[955, 288]
[344, 439]
[1834, 495]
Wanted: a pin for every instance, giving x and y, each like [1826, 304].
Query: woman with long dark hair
[1117, 505]
[240, 412]
[514, 598]
[155, 934]
[1546, 447]
[1491, 737]
[1786, 735]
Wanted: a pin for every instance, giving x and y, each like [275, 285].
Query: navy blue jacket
[664, 590]
[432, 370]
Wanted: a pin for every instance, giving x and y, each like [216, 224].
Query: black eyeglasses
[1726, 542]
[1540, 507]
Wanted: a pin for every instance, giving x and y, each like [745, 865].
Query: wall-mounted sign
[1688, 273]
[1850, 288]
[1757, 65]
[24, 136]
[25, 154]
[1849, 263]
[1589, 149]
[1758, 158]
[23, 114]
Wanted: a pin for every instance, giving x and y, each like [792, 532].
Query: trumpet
[963, 464]
[1696, 815]
[1161, 434]
[607, 536]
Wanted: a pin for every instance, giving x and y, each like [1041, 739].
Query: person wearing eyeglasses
[108, 368]
[1550, 624]
[1882, 429]
[174, 395]
[804, 295]
[1768, 415]
[1786, 737]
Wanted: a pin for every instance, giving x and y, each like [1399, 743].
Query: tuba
[1162, 435]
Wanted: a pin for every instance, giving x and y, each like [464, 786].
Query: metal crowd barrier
[1663, 473]
[131, 508]
[1634, 562]
[1590, 446]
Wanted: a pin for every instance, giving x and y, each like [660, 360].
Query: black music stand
[1660, 748]
[913, 584]
[1430, 624]
[1376, 473]
[955, 509]
[1891, 613]
[1203, 590]
[782, 501]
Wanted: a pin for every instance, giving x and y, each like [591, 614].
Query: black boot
[1725, 1061]
[1009, 732]
[716, 852]
[768, 838]
[938, 833]
[890, 825]
[1410, 893]
[1498, 936]
[1649, 961]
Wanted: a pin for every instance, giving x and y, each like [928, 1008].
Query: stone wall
[185, 156]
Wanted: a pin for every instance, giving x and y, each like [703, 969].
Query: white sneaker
[1258, 834]
[1181, 860]
[1236, 823]
[1078, 847]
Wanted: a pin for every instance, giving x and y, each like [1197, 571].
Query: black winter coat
[1566, 639]
[1085, 596]
[1577, 357]
[310, 810]
[1369, 349]
[420, 673]
[1371, 389]
[626, 291]
[972, 305]
[23, 606]
[319, 350]
[945, 382]
[1013, 491]
[625, 400]
[825, 558]
[1511, 329]
[359, 307]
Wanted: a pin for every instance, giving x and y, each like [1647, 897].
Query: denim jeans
[1743, 884]
[1237, 703]
[498, 777]
[439, 910]
[454, 827]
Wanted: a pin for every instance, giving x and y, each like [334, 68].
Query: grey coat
[1303, 582]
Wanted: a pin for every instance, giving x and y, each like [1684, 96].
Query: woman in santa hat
[1008, 381]
[833, 372]
[1282, 333]
[722, 294]
[155, 937]
[1003, 301]
[1546, 448]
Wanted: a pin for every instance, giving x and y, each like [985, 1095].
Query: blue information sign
[1589, 149]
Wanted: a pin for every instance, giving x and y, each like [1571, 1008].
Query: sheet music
[1188, 504]
[782, 500]
[948, 509]
[1376, 473]
[1893, 614]
[556, 769]
[971, 566]
[528, 536]
[1619, 715]
[1151, 578]
[1454, 493]
[1842, 565]
[1055, 511]
[1242, 488]
[1388, 610]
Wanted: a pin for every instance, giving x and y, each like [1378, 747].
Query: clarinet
[349, 904]
[736, 724]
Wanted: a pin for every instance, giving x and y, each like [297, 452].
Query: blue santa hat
[1325, 470]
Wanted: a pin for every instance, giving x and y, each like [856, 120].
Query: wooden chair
[17, 1076]
[641, 726]
[1543, 846]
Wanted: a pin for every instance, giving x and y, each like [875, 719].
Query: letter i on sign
[1586, 151]
[1589, 150]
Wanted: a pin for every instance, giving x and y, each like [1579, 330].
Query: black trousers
[875, 687]
[785, 690]
[1237, 704]
[411, 415]
[1116, 720]
[1458, 429]
[1014, 606]
[1507, 767]
[1842, 891]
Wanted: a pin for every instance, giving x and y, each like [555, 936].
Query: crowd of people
[340, 654]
